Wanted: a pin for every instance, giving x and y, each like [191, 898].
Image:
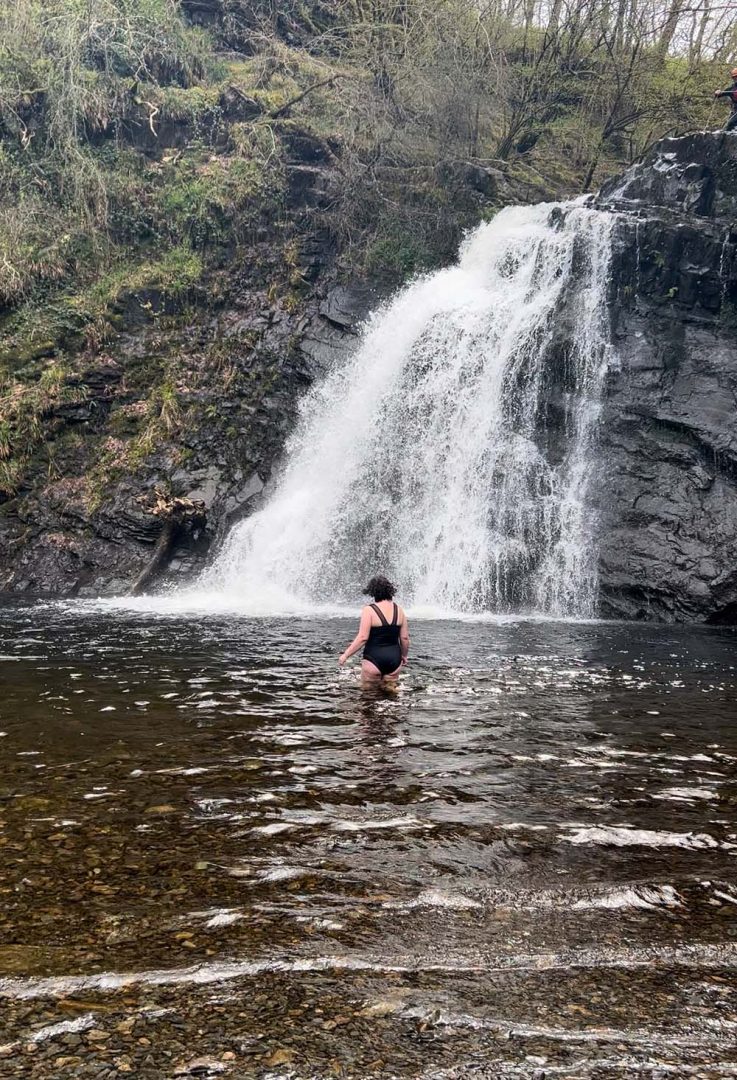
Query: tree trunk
[699, 42]
[619, 25]
[160, 557]
[554, 18]
[669, 27]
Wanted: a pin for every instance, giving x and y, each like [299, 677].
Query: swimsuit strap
[379, 613]
[395, 616]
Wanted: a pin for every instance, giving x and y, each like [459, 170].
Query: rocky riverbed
[221, 859]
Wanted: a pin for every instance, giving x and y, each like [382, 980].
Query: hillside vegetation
[143, 143]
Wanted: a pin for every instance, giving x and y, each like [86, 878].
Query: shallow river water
[219, 857]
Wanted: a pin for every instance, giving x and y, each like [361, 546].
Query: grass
[172, 274]
[24, 410]
[72, 318]
[136, 435]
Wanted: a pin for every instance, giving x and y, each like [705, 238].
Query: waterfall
[454, 450]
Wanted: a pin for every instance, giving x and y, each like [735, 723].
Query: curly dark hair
[380, 588]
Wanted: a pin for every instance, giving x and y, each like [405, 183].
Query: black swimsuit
[382, 648]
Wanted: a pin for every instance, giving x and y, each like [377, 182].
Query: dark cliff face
[668, 502]
[93, 525]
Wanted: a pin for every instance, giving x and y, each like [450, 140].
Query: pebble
[204, 1066]
[279, 1057]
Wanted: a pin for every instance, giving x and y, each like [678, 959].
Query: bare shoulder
[401, 614]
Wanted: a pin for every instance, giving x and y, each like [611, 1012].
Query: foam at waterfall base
[272, 605]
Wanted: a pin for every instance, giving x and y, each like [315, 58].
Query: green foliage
[172, 274]
[134, 438]
[86, 314]
[89, 96]
[24, 408]
[397, 256]
[85, 87]
[70, 75]
[219, 200]
[192, 104]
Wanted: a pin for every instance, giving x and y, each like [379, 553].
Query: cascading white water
[453, 451]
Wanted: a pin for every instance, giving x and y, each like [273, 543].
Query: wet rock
[202, 1067]
[199, 486]
[324, 343]
[253, 486]
[309, 185]
[668, 451]
[347, 306]
[693, 174]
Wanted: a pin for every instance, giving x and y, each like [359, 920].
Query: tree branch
[276, 113]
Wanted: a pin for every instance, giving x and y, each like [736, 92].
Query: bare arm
[361, 637]
[404, 640]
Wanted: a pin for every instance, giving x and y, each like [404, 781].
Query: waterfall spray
[454, 450]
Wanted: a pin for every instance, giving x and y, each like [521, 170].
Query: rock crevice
[668, 447]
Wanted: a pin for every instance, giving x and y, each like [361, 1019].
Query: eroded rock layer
[668, 535]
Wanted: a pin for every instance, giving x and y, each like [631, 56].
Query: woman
[383, 631]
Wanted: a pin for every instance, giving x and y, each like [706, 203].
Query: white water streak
[698, 957]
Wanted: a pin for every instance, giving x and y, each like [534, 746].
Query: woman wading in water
[383, 635]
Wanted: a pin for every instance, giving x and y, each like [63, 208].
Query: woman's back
[386, 631]
[382, 648]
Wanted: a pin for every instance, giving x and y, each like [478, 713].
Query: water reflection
[213, 837]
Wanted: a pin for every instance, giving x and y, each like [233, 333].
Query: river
[221, 858]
